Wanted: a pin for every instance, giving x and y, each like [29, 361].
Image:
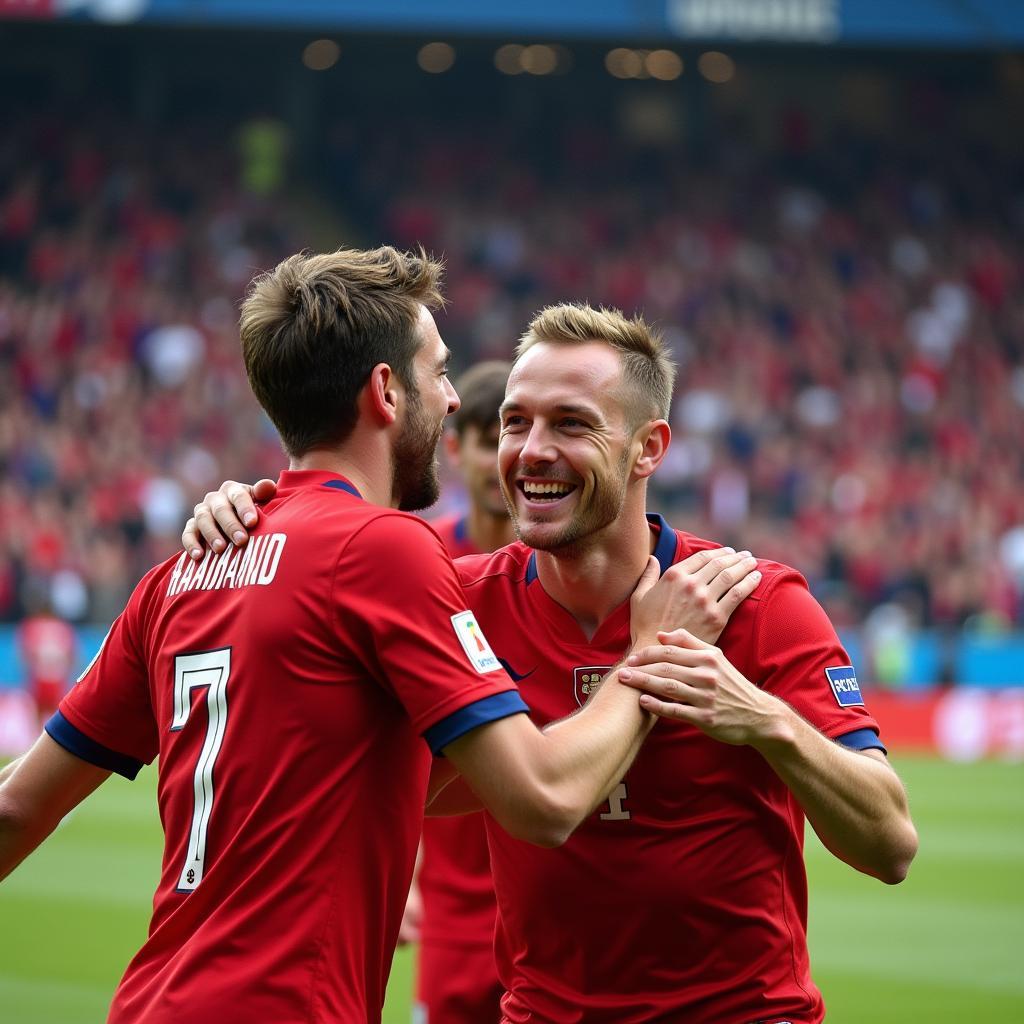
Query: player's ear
[650, 443]
[382, 393]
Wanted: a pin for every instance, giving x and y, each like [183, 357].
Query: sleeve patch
[474, 643]
[845, 687]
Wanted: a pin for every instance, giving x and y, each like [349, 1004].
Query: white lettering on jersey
[254, 565]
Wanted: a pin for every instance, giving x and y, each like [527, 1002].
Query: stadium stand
[847, 316]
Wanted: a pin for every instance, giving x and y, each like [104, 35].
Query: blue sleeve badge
[843, 681]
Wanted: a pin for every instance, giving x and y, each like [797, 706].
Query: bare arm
[46, 783]
[853, 799]
[541, 785]
[8, 769]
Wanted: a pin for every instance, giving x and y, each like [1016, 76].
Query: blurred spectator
[849, 328]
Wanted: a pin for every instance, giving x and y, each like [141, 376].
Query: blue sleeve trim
[76, 742]
[862, 739]
[488, 709]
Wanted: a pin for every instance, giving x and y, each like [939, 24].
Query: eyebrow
[563, 407]
[445, 359]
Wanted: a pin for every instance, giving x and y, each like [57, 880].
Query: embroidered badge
[585, 678]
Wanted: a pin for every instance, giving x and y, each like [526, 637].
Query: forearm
[854, 800]
[43, 786]
[540, 785]
[8, 769]
[595, 747]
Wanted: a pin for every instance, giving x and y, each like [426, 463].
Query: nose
[454, 402]
[537, 446]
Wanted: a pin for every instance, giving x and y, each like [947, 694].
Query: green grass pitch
[943, 947]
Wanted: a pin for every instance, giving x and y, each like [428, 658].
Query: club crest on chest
[585, 679]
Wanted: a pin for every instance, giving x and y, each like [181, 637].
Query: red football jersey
[684, 897]
[455, 876]
[285, 686]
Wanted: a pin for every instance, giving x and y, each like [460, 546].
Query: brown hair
[647, 369]
[481, 390]
[314, 327]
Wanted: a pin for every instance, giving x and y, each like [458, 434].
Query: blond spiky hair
[647, 369]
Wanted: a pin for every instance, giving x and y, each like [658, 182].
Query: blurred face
[428, 400]
[475, 453]
[564, 453]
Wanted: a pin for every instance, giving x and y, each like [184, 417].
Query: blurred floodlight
[716, 67]
[663, 65]
[624, 63]
[508, 59]
[118, 11]
[321, 54]
[539, 59]
[436, 58]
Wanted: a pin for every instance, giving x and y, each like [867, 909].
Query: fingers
[191, 540]
[263, 490]
[738, 592]
[660, 682]
[669, 709]
[699, 559]
[729, 576]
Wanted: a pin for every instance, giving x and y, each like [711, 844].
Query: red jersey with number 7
[285, 687]
[683, 897]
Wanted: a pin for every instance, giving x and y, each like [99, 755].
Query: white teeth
[546, 490]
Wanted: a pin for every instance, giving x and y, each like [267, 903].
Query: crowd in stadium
[851, 388]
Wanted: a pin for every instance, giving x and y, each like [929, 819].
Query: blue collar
[342, 485]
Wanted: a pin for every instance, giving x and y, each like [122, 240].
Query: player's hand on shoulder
[700, 593]
[225, 516]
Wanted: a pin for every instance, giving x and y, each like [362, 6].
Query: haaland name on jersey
[254, 565]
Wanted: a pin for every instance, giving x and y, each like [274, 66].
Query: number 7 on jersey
[209, 669]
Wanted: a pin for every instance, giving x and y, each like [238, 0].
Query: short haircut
[648, 372]
[481, 390]
[314, 327]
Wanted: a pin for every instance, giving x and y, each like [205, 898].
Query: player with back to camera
[285, 686]
[684, 898]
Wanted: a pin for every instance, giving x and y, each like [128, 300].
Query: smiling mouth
[548, 491]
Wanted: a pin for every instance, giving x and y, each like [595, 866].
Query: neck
[368, 469]
[488, 531]
[592, 579]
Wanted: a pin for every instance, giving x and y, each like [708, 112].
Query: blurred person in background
[48, 647]
[684, 897]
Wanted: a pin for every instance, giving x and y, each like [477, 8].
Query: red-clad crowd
[849, 331]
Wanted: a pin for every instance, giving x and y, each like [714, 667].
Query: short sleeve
[804, 661]
[107, 716]
[396, 588]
